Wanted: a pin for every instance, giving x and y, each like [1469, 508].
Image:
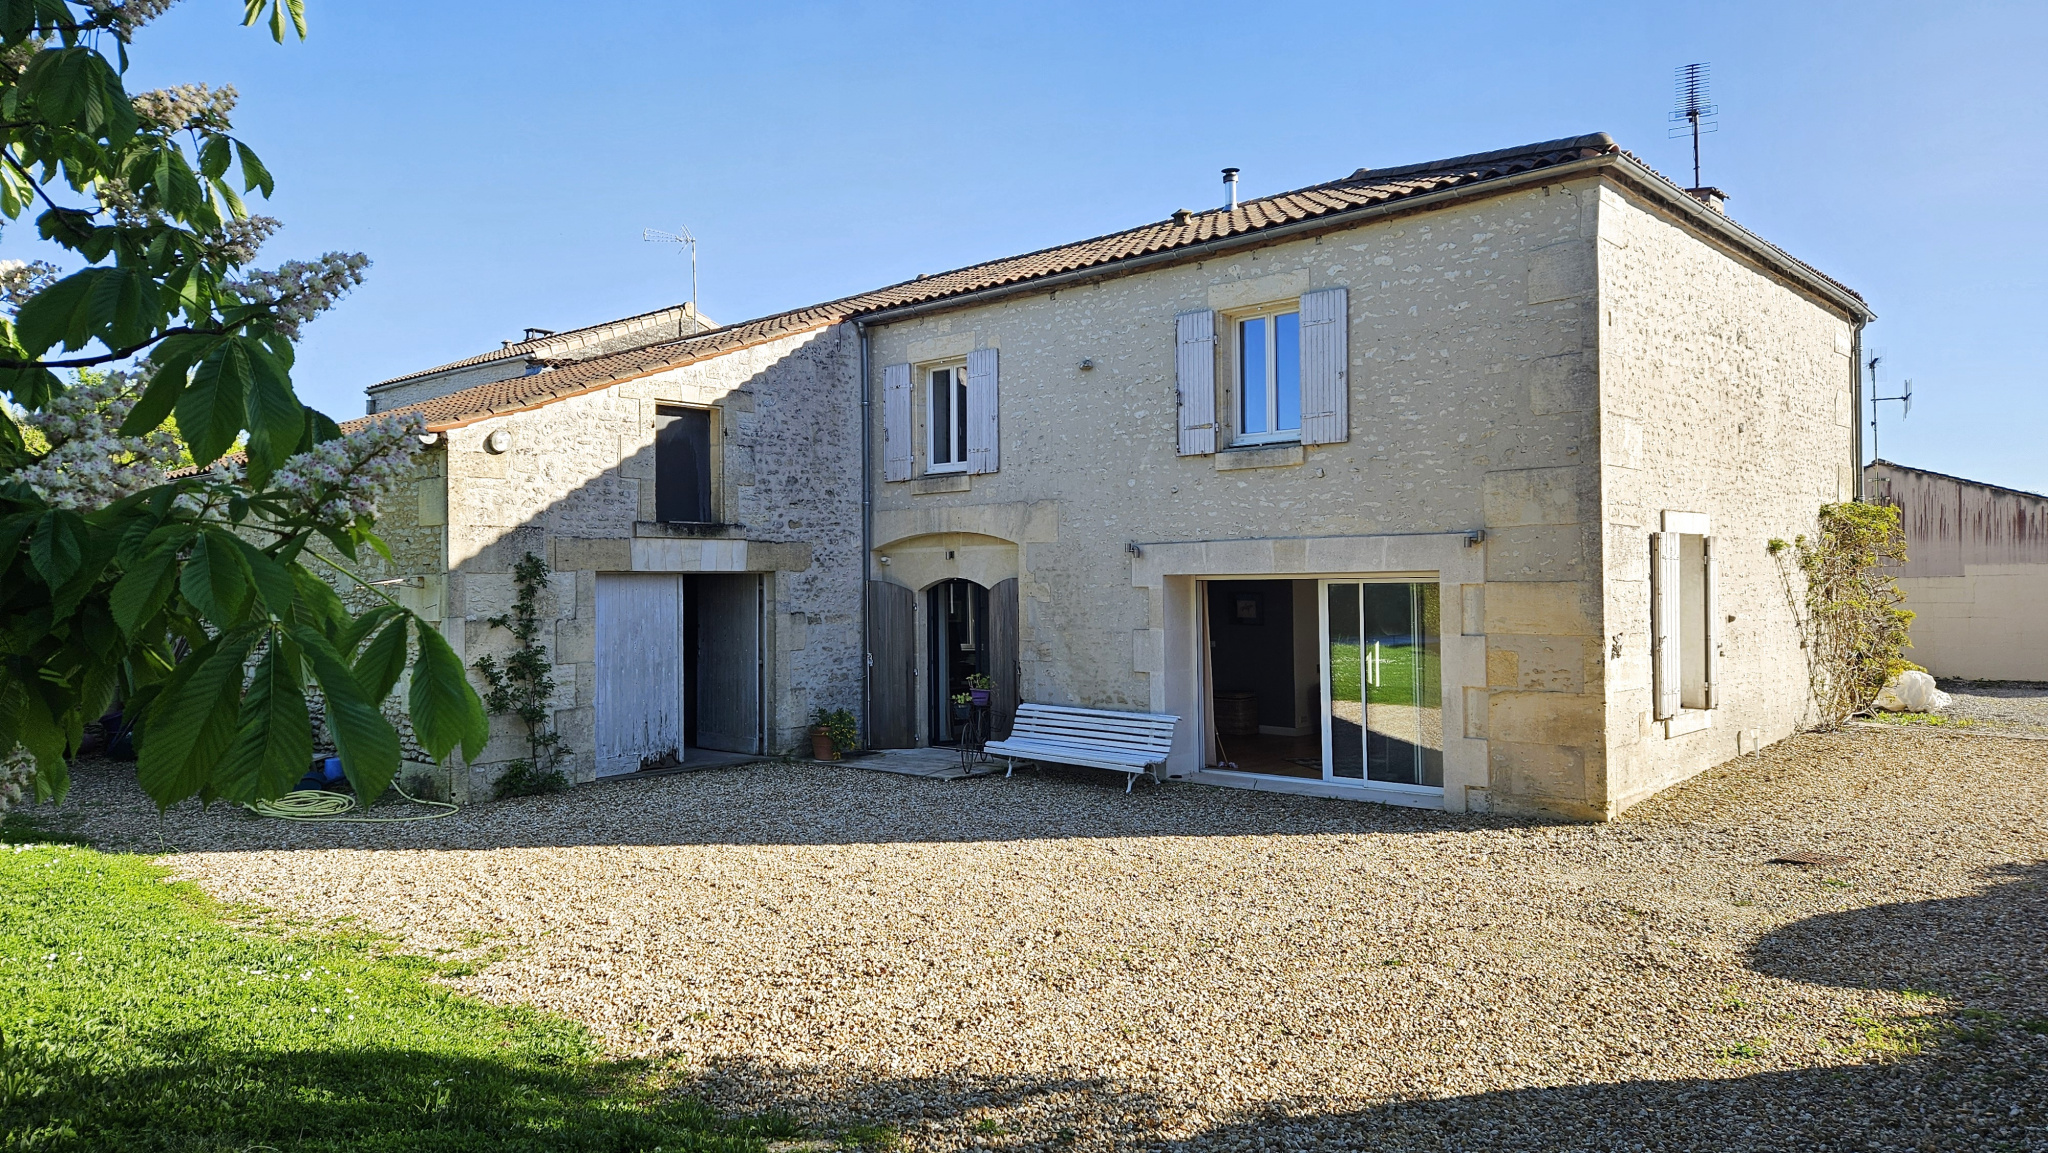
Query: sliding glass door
[1383, 683]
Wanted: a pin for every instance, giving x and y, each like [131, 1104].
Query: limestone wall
[1726, 392]
[1471, 407]
[576, 488]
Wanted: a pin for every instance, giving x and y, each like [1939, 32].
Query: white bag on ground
[1912, 692]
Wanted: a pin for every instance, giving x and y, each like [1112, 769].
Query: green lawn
[1397, 674]
[136, 1018]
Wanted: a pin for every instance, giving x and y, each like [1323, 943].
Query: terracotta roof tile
[1361, 189]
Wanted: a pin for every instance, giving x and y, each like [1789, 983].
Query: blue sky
[498, 161]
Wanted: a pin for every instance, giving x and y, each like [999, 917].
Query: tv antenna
[1905, 410]
[1695, 111]
[680, 236]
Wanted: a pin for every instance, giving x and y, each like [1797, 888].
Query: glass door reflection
[1384, 721]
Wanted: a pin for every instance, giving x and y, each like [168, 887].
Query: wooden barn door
[1003, 656]
[892, 642]
[639, 670]
[728, 692]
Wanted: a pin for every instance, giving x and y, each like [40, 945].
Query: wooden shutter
[1003, 656]
[1713, 625]
[1194, 364]
[1664, 623]
[1325, 360]
[981, 410]
[892, 666]
[896, 455]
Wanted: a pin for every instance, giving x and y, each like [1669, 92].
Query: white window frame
[956, 430]
[1267, 313]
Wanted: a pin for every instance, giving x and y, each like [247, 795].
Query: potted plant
[833, 732]
[960, 703]
[978, 686]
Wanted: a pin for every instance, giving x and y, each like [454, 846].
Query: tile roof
[1364, 188]
[518, 348]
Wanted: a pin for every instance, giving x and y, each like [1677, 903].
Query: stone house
[1976, 574]
[1443, 485]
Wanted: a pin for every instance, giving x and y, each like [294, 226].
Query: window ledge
[940, 482]
[682, 528]
[1259, 456]
[1688, 721]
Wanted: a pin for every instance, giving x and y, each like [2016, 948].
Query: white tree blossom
[302, 289]
[340, 480]
[89, 464]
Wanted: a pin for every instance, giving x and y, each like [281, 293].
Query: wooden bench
[1132, 743]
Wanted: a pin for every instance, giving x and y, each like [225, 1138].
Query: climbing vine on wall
[524, 687]
[1850, 622]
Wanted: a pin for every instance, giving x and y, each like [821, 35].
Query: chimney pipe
[1712, 197]
[1230, 183]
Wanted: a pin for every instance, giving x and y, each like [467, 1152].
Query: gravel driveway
[1044, 962]
[2019, 706]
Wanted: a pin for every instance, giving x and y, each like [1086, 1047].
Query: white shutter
[1325, 357]
[1664, 623]
[896, 455]
[1713, 624]
[981, 410]
[1194, 364]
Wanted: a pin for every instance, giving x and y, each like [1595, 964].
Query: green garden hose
[318, 805]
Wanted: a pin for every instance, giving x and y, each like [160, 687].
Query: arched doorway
[957, 648]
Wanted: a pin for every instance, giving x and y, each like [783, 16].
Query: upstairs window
[946, 419]
[1269, 377]
[682, 464]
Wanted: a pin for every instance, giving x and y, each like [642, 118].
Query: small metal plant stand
[974, 736]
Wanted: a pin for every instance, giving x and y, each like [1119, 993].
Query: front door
[958, 611]
[1383, 684]
[639, 670]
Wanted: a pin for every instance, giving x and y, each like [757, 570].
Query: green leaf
[58, 546]
[445, 709]
[192, 721]
[175, 181]
[350, 638]
[216, 578]
[64, 311]
[273, 580]
[25, 719]
[212, 407]
[141, 591]
[383, 662]
[315, 604]
[275, 416]
[366, 742]
[173, 364]
[214, 157]
[254, 175]
[274, 743]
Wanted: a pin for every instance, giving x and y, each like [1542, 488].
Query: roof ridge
[518, 347]
[1597, 141]
[1363, 189]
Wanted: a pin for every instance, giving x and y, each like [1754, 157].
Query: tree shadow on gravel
[1988, 950]
[759, 805]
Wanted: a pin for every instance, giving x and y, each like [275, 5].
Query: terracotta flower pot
[821, 746]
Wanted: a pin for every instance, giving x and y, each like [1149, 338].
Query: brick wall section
[578, 476]
[1723, 391]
